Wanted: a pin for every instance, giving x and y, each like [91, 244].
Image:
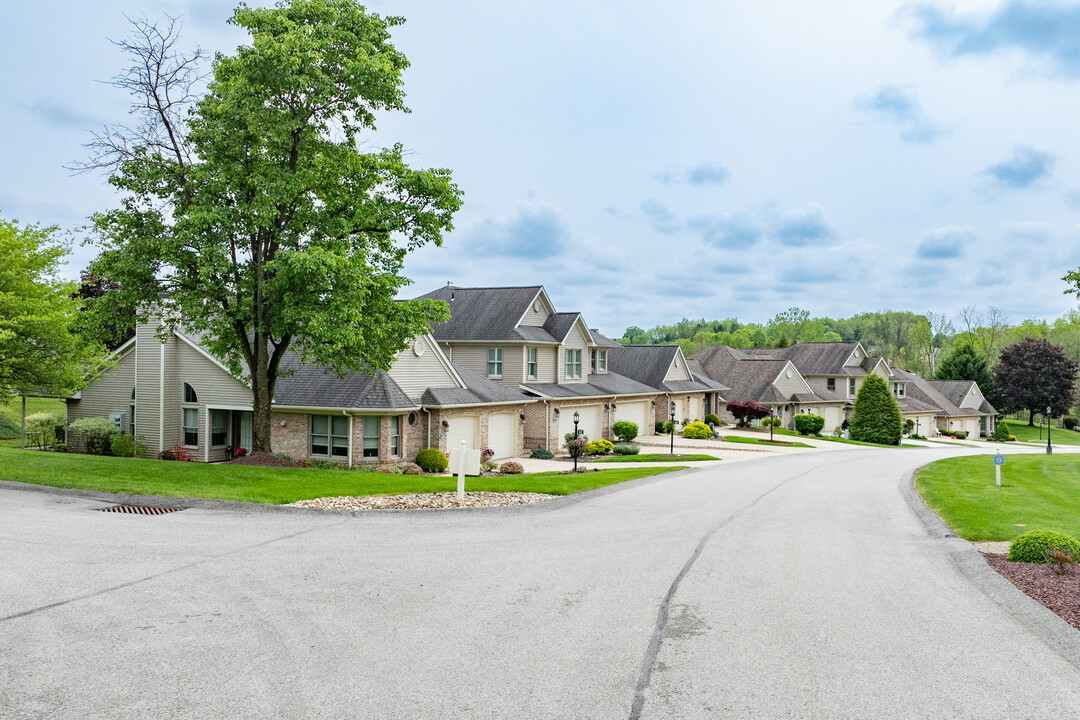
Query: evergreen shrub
[697, 430]
[809, 424]
[1035, 546]
[432, 460]
[876, 417]
[625, 430]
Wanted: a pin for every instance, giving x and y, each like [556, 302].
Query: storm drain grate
[141, 509]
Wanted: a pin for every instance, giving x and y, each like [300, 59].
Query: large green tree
[876, 417]
[965, 363]
[38, 350]
[250, 209]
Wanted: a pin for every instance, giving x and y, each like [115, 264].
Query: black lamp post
[1049, 450]
[771, 409]
[574, 446]
[917, 427]
[672, 427]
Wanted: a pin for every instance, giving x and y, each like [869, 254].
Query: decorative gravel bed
[1059, 593]
[424, 501]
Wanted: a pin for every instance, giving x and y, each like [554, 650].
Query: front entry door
[245, 430]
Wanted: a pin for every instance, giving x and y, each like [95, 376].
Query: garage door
[635, 412]
[589, 422]
[502, 435]
[465, 428]
[680, 410]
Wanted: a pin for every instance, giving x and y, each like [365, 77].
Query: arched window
[189, 394]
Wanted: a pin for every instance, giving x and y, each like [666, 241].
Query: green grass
[1058, 436]
[654, 458]
[1040, 492]
[829, 438]
[13, 411]
[271, 485]
[755, 441]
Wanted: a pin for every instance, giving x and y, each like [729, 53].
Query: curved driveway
[789, 587]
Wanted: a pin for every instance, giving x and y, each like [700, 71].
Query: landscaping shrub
[541, 454]
[1035, 546]
[432, 460]
[838, 431]
[1001, 432]
[576, 446]
[8, 429]
[909, 425]
[411, 469]
[598, 447]
[124, 445]
[625, 430]
[771, 422]
[809, 424]
[960, 435]
[488, 466]
[625, 449]
[43, 427]
[665, 428]
[96, 433]
[384, 469]
[659, 427]
[746, 410]
[877, 417]
[510, 467]
[486, 454]
[713, 419]
[697, 430]
[1070, 422]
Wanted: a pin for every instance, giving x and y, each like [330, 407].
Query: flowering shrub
[511, 468]
[239, 452]
[576, 445]
[486, 454]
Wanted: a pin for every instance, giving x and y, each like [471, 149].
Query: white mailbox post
[464, 461]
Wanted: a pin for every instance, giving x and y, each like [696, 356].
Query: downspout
[547, 425]
[346, 412]
[161, 403]
[427, 442]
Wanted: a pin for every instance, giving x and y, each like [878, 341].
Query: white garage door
[680, 410]
[635, 412]
[465, 428]
[502, 435]
[589, 421]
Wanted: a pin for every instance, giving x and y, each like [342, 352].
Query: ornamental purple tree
[746, 410]
[1032, 375]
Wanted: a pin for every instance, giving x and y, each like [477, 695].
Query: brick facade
[438, 432]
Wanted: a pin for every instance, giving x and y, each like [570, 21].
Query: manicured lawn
[1038, 491]
[755, 441]
[829, 438]
[1058, 436]
[270, 485]
[654, 458]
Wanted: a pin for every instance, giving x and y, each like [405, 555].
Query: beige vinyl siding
[109, 393]
[789, 386]
[677, 370]
[148, 354]
[474, 359]
[547, 363]
[855, 358]
[536, 318]
[415, 374]
[575, 340]
[973, 399]
[215, 388]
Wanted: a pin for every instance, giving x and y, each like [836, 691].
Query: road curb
[1061, 637]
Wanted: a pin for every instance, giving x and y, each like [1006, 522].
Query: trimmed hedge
[876, 417]
[625, 449]
[697, 430]
[625, 430]
[432, 460]
[712, 419]
[1034, 546]
[809, 424]
[598, 447]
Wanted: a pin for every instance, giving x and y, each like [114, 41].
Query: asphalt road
[789, 587]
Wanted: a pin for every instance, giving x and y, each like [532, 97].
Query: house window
[371, 437]
[189, 394]
[219, 428]
[330, 435]
[395, 436]
[592, 361]
[494, 363]
[531, 364]
[898, 389]
[830, 384]
[851, 387]
[573, 364]
[191, 427]
[601, 360]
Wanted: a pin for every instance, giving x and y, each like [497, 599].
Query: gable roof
[941, 393]
[559, 325]
[649, 364]
[750, 376]
[602, 340]
[313, 386]
[478, 390]
[607, 384]
[488, 314]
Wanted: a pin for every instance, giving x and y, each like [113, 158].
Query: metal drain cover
[141, 509]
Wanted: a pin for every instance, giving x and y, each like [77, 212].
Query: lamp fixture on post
[574, 446]
[672, 427]
[1049, 450]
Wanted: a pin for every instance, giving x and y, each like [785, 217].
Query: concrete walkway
[809, 585]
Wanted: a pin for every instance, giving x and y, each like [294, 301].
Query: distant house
[176, 391]
[663, 367]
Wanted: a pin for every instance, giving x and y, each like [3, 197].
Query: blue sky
[650, 161]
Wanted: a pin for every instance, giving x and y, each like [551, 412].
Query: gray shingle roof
[599, 385]
[479, 390]
[649, 364]
[483, 313]
[749, 375]
[312, 386]
[560, 324]
[939, 393]
[602, 340]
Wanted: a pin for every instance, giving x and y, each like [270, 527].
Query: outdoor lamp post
[917, 426]
[1049, 450]
[672, 427]
[576, 449]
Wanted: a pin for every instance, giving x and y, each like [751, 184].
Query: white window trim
[572, 361]
[364, 436]
[210, 426]
[601, 361]
[398, 453]
[498, 362]
[329, 435]
[184, 427]
[531, 352]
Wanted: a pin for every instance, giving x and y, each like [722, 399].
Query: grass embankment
[755, 441]
[1058, 436]
[829, 438]
[654, 457]
[271, 485]
[13, 412]
[1038, 492]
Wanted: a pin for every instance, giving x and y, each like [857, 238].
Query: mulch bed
[262, 459]
[1059, 593]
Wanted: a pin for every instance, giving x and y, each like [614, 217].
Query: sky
[647, 162]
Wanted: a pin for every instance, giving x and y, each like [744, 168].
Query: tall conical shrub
[876, 417]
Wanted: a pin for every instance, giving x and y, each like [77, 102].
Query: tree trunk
[261, 396]
[1031, 418]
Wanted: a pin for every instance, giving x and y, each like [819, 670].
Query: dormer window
[530, 364]
[898, 389]
[601, 360]
[573, 364]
